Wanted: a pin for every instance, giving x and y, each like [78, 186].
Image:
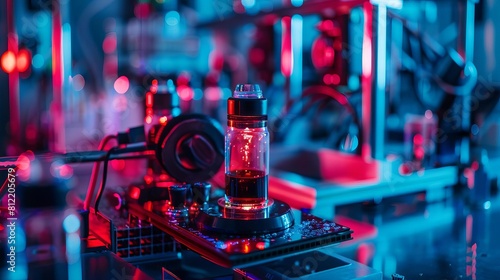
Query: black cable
[104, 179]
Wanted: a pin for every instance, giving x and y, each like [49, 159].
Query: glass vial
[247, 147]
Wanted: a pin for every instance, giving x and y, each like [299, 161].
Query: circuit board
[307, 232]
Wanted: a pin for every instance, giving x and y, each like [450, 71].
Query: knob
[177, 194]
[201, 192]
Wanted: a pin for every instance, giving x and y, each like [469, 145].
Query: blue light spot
[198, 94]
[487, 205]
[353, 82]
[38, 61]
[297, 3]
[71, 223]
[248, 3]
[172, 18]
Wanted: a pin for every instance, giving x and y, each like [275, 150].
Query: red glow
[475, 165]
[261, 245]
[149, 119]
[118, 164]
[405, 169]
[322, 53]
[213, 93]
[418, 140]
[183, 79]
[109, 43]
[149, 99]
[142, 10]
[216, 59]
[23, 60]
[286, 47]
[163, 120]
[335, 79]
[65, 171]
[256, 56]
[148, 179]
[185, 93]
[366, 78]
[468, 228]
[419, 153]
[23, 162]
[8, 62]
[365, 253]
[154, 86]
[134, 192]
[121, 84]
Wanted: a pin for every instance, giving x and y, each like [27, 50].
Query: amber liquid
[246, 186]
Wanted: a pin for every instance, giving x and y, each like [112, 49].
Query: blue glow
[395, 4]
[176, 111]
[73, 256]
[487, 205]
[297, 3]
[71, 223]
[430, 11]
[198, 94]
[248, 3]
[226, 93]
[353, 82]
[38, 61]
[20, 240]
[296, 76]
[172, 18]
[356, 15]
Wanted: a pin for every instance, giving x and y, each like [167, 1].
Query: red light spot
[121, 84]
[142, 10]
[475, 165]
[213, 93]
[405, 169]
[148, 179]
[326, 79]
[23, 60]
[183, 79]
[118, 164]
[23, 162]
[323, 54]
[365, 253]
[185, 93]
[134, 192]
[418, 140]
[65, 171]
[335, 79]
[419, 153]
[163, 120]
[149, 99]
[109, 43]
[163, 177]
[8, 61]
[149, 119]
[286, 47]
[261, 245]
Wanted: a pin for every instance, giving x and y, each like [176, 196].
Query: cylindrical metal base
[276, 217]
